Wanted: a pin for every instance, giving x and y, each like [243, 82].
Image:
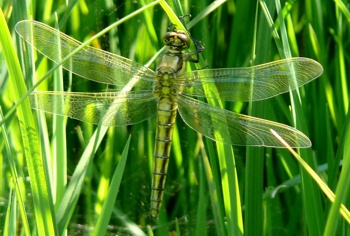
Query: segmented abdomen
[166, 118]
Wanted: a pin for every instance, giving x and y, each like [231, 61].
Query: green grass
[86, 179]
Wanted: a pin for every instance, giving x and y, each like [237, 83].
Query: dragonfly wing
[252, 83]
[236, 129]
[109, 108]
[90, 63]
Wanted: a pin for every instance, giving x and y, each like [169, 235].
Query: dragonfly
[142, 93]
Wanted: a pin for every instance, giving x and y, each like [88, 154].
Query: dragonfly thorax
[171, 66]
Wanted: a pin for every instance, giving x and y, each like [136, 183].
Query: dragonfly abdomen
[166, 118]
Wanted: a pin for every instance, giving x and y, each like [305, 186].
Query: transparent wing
[110, 108]
[236, 129]
[90, 63]
[252, 83]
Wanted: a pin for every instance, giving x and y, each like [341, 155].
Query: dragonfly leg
[199, 48]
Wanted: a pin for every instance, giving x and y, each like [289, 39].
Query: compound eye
[177, 38]
[183, 37]
[168, 37]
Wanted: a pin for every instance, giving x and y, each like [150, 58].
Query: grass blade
[103, 220]
[43, 204]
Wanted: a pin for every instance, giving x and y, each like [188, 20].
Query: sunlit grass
[212, 189]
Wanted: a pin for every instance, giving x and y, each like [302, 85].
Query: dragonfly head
[177, 39]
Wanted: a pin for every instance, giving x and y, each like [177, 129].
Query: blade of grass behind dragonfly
[311, 193]
[174, 19]
[226, 203]
[59, 147]
[43, 203]
[254, 220]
